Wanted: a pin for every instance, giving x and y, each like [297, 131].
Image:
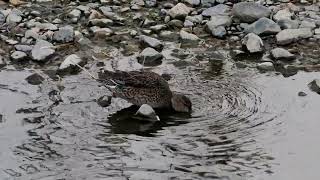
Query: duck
[144, 87]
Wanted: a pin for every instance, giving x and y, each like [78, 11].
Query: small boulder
[18, 56]
[315, 85]
[265, 66]
[288, 24]
[35, 79]
[290, 35]
[253, 43]
[282, 54]
[150, 57]
[69, 64]
[179, 11]
[64, 34]
[151, 42]
[250, 11]
[221, 9]
[188, 37]
[42, 50]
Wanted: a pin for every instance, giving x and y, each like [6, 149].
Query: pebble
[104, 101]
[265, 66]
[290, 35]
[188, 37]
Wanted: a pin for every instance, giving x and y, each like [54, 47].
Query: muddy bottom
[244, 125]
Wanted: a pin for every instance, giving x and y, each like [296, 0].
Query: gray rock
[312, 7]
[23, 48]
[253, 43]
[317, 31]
[42, 50]
[263, 26]
[147, 113]
[192, 2]
[147, 23]
[188, 24]
[188, 37]
[2, 18]
[69, 64]
[302, 94]
[35, 79]
[18, 56]
[315, 85]
[32, 33]
[76, 13]
[179, 11]
[105, 9]
[220, 9]
[101, 32]
[207, 3]
[101, 22]
[307, 24]
[288, 24]
[158, 28]
[151, 3]
[104, 101]
[216, 21]
[195, 19]
[249, 11]
[219, 32]
[64, 34]
[169, 35]
[282, 54]
[150, 57]
[14, 16]
[84, 9]
[2, 62]
[175, 23]
[151, 42]
[265, 66]
[289, 35]
[283, 14]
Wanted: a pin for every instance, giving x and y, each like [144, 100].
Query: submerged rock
[253, 43]
[147, 113]
[289, 35]
[315, 85]
[281, 54]
[35, 79]
[250, 11]
[179, 11]
[150, 57]
[42, 50]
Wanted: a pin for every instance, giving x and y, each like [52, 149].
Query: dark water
[245, 125]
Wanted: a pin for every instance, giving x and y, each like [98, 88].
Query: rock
[281, 54]
[69, 64]
[179, 11]
[32, 33]
[307, 24]
[101, 22]
[151, 3]
[283, 14]
[192, 2]
[175, 23]
[35, 79]
[195, 19]
[302, 94]
[317, 31]
[290, 35]
[253, 43]
[220, 9]
[64, 34]
[105, 9]
[315, 85]
[76, 13]
[18, 56]
[312, 8]
[208, 3]
[219, 32]
[263, 26]
[138, 2]
[216, 21]
[188, 37]
[265, 66]
[2, 18]
[169, 35]
[104, 101]
[288, 24]
[249, 11]
[188, 24]
[2, 62]
[158, 28]
[151, 42]
[42, 50]
[101, 32]
[147, 113]
[14, 16]
[23, 48]
[150, 57]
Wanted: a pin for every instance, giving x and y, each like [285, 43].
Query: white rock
[147, 111]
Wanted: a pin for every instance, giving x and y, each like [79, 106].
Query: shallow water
[245, 125]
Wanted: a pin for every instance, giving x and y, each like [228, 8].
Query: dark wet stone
[250, 11]
[220, 9]
[282, 54]
[288, 24]
[151, 42]
[150, 57]
[104, 101]
[302, 94]
[290, 35]
[253, 43]
[42, 50]
[64, 34]
[263, 26]
[179, 11]
[35, 79]
[2, 62]
[18, 56]
[315, 85]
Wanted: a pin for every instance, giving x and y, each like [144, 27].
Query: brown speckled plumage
[144, 87]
